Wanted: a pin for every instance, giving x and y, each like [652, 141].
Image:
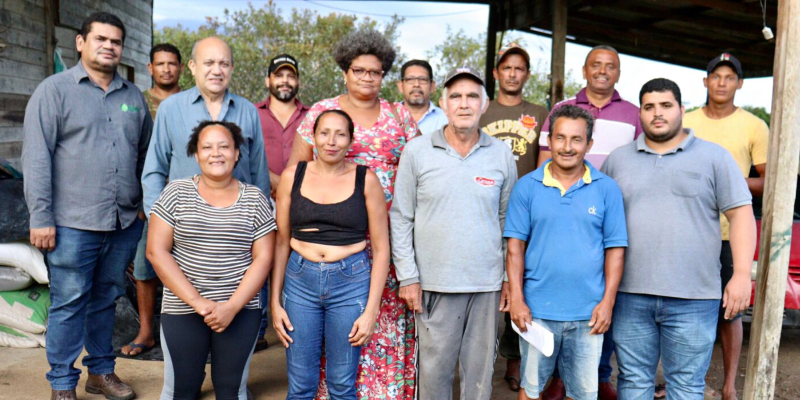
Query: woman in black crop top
[323, 289]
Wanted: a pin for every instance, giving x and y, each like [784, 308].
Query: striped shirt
[212, 245]
[615, 124]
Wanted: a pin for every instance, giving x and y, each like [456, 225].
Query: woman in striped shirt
[211, 243]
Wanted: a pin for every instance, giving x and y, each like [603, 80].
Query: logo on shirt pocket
[485, 182]
[129, 109]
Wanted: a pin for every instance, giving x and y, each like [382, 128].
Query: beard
[284, 96]
[416, 101]
[659, 137]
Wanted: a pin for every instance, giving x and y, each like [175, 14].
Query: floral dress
[388, 366]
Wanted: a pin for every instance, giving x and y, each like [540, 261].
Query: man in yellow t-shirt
[745, 136]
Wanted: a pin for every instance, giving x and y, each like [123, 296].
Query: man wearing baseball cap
[280, 114]
[517, 123]
[746, 137]
[447, 219]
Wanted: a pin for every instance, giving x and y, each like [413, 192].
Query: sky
[427, 21]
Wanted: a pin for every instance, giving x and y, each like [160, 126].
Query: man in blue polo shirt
[566, 243]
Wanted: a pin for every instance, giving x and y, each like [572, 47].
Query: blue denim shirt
[433, 120]
[176, 117]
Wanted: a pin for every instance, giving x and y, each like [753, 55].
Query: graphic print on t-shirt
[517, 134]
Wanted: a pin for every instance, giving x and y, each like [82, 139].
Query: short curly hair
[233, 129]
[361, 42]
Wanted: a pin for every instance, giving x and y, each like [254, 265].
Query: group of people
[387, 238]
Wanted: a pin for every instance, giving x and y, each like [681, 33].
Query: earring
[345, 81]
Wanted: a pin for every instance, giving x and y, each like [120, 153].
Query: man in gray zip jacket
[447, 218]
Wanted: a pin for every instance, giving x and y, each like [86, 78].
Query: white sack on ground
[14, 279]
[25, 257]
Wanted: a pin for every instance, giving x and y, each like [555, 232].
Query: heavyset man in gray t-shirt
[447, 217]
[674, 186]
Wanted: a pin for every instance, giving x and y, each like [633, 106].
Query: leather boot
[605, 391]
[109, 385]
[555, 391]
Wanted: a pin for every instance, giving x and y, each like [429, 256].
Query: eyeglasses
[361, 73]
[416, 80]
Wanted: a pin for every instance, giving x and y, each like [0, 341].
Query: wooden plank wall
[23, 60]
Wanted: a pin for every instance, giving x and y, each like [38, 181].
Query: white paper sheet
[538, 336]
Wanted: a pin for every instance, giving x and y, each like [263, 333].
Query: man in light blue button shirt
[212, 66]
[416, 83]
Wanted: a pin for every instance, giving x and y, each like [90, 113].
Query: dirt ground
[22, 374]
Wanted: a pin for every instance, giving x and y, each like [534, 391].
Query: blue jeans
[679, 331]
[576, 353]
[142, 269]
[264, 292]
[604, 371]
[323, 300]
[87, 270]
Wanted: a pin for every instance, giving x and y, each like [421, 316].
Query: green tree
[759, 112]
[458, 50]
[258, 34]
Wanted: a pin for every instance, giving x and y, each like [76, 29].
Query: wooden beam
[728, 6]
[50, 12]
[491, 47]
[779, 196]
[558, 50]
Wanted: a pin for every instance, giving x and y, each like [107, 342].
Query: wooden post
[779, 194]
[491, 48]
[50, 10]
[558, 50]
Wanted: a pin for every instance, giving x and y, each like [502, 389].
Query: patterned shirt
[212, 245]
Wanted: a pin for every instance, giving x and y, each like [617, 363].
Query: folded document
[538, 336]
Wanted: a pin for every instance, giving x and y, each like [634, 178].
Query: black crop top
[337, 224]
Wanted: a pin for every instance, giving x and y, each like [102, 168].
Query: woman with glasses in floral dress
[382, 128]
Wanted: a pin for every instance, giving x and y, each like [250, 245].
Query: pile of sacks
[24, 296]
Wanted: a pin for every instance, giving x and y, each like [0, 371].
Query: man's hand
[601, 318]
[520, 314]
[505, 298]
[142, 216]
[412, 295]
[736, 298]
[44, 238]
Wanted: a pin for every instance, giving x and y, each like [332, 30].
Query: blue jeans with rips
[323, 300]
[681, 332]
[87, 270]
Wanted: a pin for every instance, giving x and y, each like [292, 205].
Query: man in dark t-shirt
[509, 117]
[517, 123]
